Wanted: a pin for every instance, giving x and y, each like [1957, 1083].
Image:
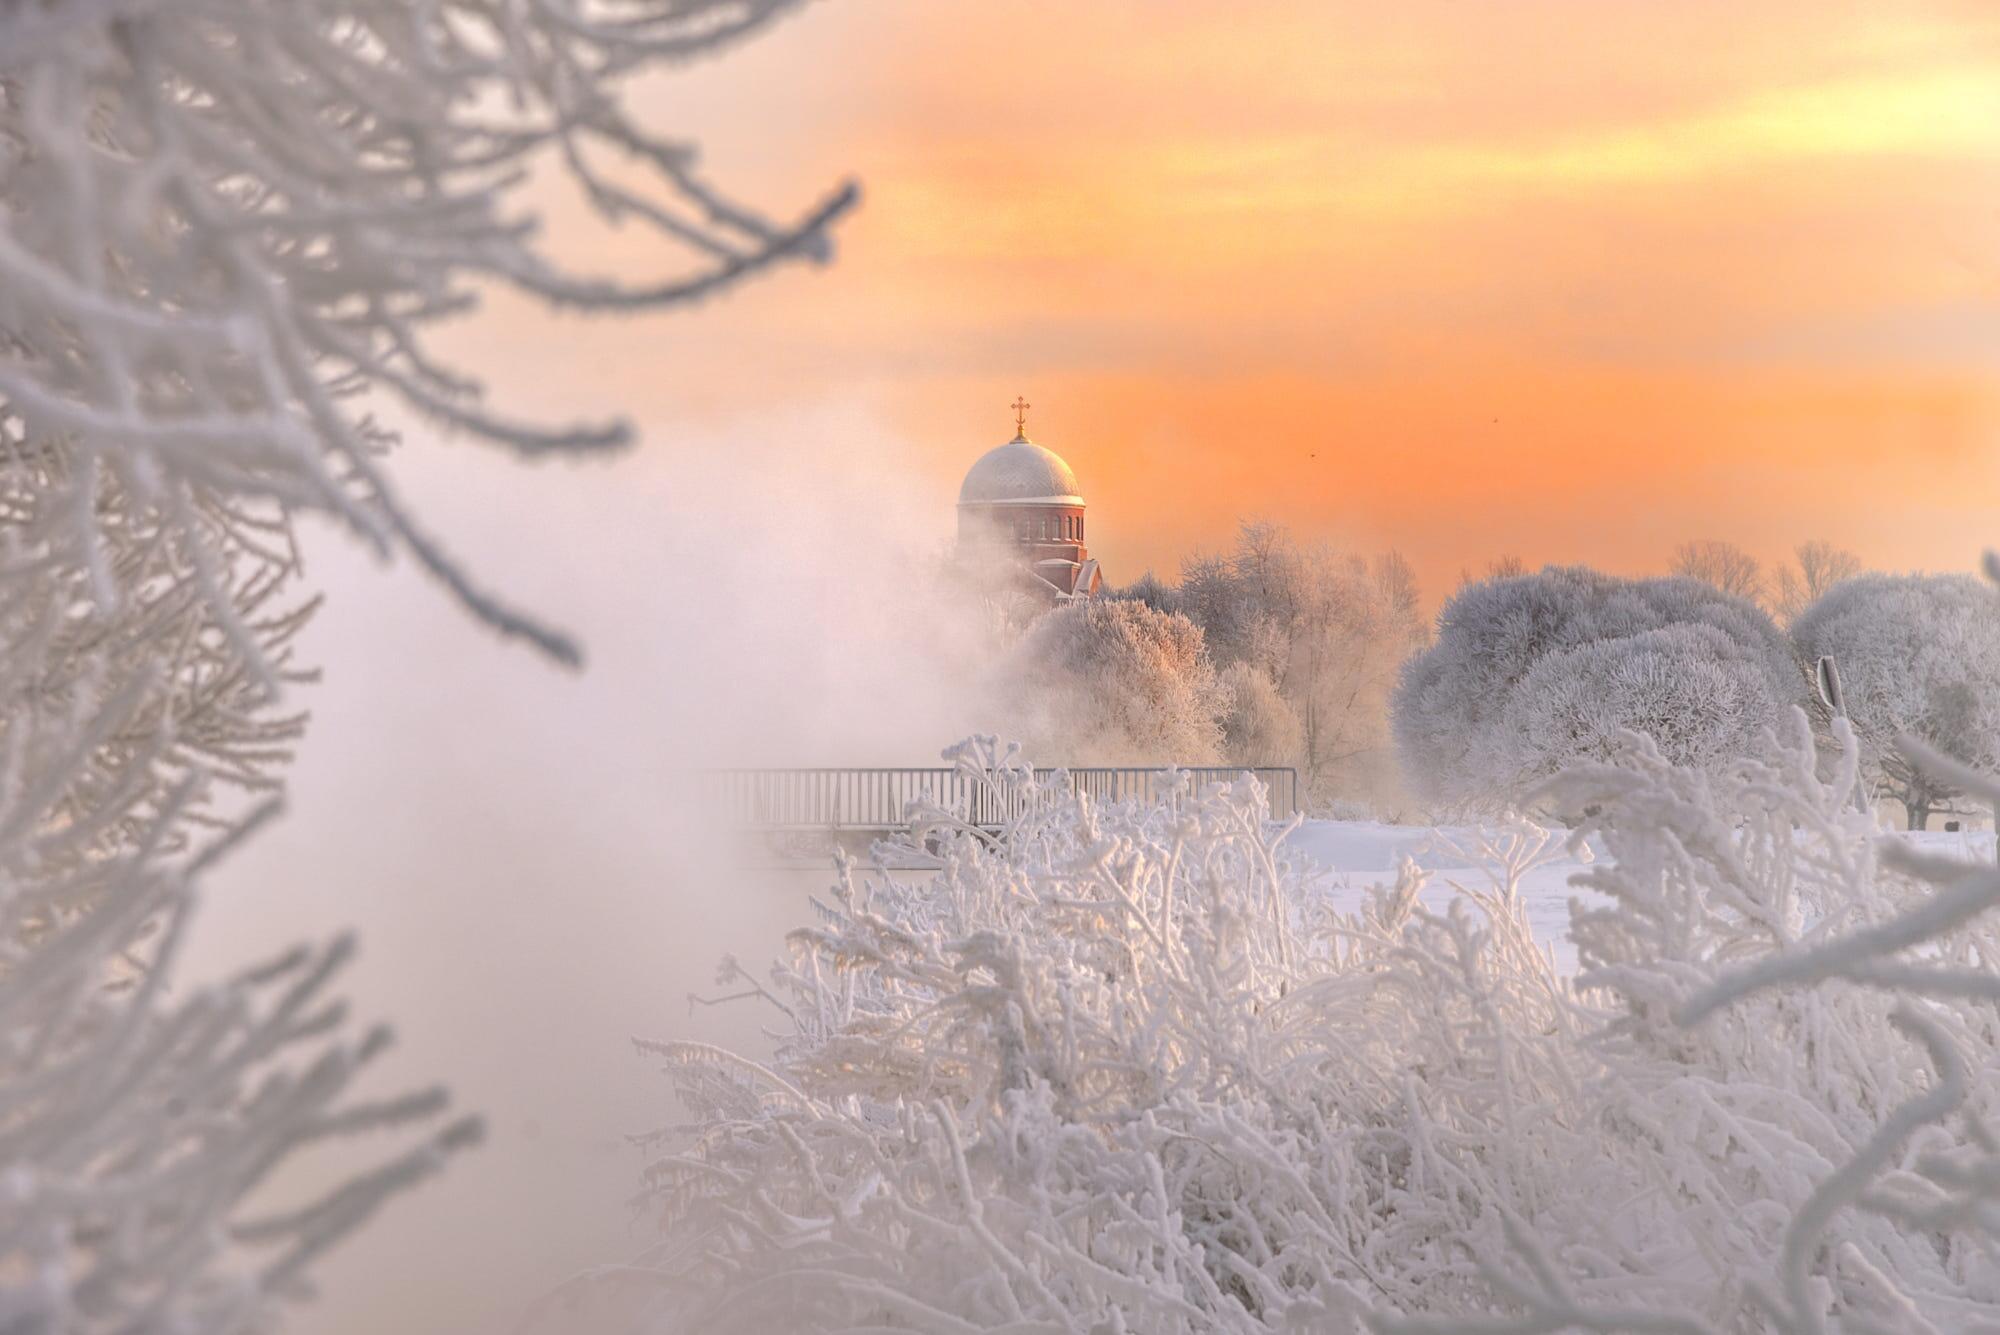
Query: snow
[1351, 856]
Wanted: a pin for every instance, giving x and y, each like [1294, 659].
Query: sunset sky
[1568, 279]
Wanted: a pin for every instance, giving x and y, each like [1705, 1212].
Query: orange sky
[1569, 279]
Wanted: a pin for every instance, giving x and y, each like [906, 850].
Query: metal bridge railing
[878, 799]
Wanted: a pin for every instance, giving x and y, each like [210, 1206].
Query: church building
[1020, 504]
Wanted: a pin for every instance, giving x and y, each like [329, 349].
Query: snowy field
[1359, 854]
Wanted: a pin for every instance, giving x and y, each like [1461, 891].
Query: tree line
[1283, 652]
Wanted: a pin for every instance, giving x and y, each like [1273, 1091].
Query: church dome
[1019, 472]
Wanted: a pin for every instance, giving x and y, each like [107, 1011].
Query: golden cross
[1020, 407]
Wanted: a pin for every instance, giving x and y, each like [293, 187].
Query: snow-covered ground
[1360, 854]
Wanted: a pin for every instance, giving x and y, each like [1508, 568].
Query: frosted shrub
[1494, 707]
[1125, 1068]
[1690, 687]
[1919, 655]
[1789, 1039]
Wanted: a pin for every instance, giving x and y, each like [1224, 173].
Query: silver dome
[1019, 471]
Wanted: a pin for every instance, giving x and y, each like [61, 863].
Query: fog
[502, 832]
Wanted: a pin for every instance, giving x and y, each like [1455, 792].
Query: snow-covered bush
[1125, 1069]
[1919, 656]
[1689, 686]
[1529, 672]
[226, 227]
[1113, 682]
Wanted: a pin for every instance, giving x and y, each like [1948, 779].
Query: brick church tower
[1020, 503]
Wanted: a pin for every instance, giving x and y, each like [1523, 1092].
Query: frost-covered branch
[1124, 1068]
[139, 1121]
[227, 227]
[227, 230]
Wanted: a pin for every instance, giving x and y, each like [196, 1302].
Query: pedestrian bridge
[877, 801]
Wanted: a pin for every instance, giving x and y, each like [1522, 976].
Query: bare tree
[1819, 566]
[1721, 565]
[1397, 579]
[1505, 566]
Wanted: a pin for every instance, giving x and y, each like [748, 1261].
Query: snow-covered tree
[1151, 590]
[1113, 682]
[1919, 656]
[1259, 726]
[139, 741]
[226, 227]
[145, 1119]
[1531, 672]
[1328, 630]
[1702, 696]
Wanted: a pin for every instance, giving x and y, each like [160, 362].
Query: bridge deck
[878, 799]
